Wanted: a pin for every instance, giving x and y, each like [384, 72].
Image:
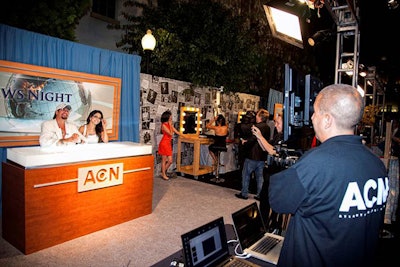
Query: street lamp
[148, 44]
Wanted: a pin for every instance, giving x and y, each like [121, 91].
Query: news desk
[54, 195]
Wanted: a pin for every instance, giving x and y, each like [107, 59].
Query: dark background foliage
[208, 43]
[57, 18]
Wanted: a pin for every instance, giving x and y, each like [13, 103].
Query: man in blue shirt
[336, 192]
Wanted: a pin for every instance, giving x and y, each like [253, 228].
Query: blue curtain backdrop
[36, 49]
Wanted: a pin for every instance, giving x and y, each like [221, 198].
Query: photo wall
[159, 94]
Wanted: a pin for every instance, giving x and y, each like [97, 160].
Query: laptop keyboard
[266, 245]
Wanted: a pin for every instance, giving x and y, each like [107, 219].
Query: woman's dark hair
[165, 116]
[250, 116]
[221, 120]
[99, 126]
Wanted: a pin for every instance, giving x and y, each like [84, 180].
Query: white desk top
[37, 156]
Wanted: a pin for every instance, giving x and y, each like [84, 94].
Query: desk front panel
[42, 207]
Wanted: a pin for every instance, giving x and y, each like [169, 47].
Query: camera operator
[273, 221]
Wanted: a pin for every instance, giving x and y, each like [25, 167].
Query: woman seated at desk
[221, 132]
[95, 128]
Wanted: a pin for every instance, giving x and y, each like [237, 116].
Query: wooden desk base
[195, 169]
[203, 169]
[35, 217]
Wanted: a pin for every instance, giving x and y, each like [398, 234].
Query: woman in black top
[220, 133]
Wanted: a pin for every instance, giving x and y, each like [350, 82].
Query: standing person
[273, 220]
[244, 132]
[336, 192]
[271, 124]
[395, 150]
[95, 128]
[165, 146]
[269, 146]
[221, 131]
[59, 131]
[255, 157]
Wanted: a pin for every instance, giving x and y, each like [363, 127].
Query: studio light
[284, 24]
[348, 65]
[393, 4]
[362, 70]
[320, 37]
[360, 90]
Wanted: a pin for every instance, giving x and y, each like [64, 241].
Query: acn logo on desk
[95, 177]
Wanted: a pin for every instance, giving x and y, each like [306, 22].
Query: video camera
[284, 157]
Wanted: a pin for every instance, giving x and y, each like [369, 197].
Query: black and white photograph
[151, 96]
[164, 88]
[181, 104]
[145, 125]
[204, 111]
[165, 98]
[207, 99]
[197, 97]
[248, 104]
[145, 113]
[174, 97]
[147, 138]
[188, 97]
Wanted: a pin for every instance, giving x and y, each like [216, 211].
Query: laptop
[207, 246]
[253, 237]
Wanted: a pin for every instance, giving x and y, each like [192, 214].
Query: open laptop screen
[249, 225]
[206, 245]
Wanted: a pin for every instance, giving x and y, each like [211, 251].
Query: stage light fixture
[285, 23]
[362, 70]
[393, 4]
[348, 65]
[360, 90]
[320, 37]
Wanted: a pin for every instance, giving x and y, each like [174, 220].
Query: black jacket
[252, 148]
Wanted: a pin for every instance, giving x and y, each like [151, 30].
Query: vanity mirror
[240, 115]
[190, 121]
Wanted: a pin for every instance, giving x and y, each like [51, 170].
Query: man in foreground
[336, 192]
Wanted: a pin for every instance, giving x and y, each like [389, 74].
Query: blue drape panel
[36, 49]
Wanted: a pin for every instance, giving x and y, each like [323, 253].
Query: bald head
[338, 108]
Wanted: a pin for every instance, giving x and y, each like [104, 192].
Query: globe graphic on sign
[36, 98]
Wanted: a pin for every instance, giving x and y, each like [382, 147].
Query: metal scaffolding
[346, 16]
[345, 13]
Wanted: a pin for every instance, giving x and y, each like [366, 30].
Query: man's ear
[327, 120]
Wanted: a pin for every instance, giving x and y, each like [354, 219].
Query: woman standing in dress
[165, 146]
[95, 128]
